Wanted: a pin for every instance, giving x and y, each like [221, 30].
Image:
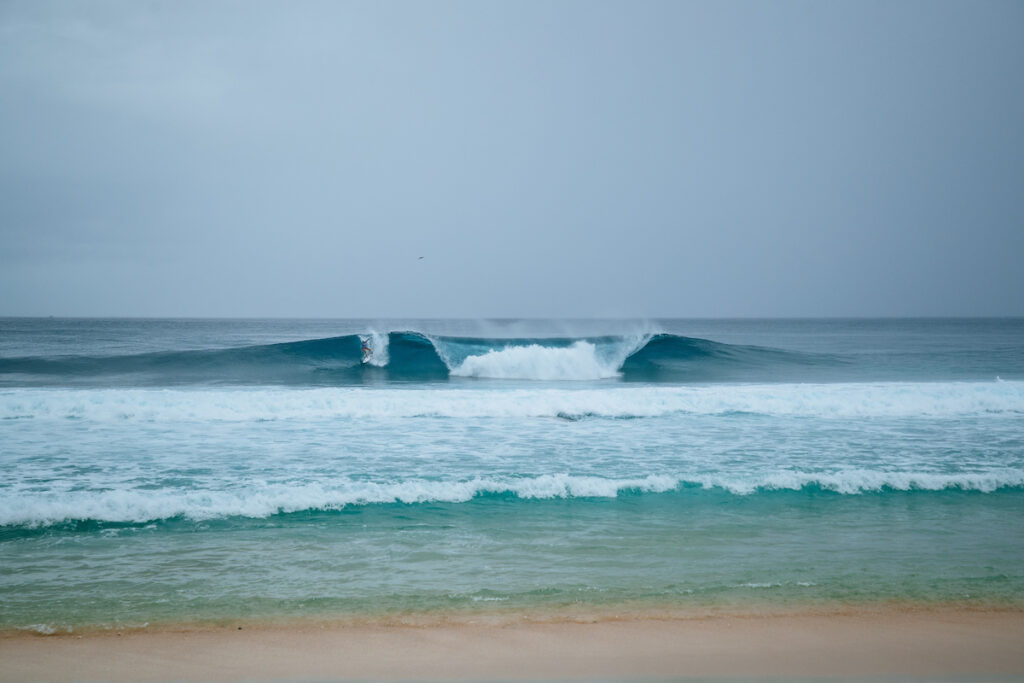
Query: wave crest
[134, 506]
[412, 356]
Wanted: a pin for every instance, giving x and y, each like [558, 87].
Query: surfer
[367, 350]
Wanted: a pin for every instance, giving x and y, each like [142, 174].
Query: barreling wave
[412, 356]
[134, 506]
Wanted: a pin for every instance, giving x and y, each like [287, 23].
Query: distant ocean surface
[206, 471]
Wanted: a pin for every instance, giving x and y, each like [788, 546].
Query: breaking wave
[135, 506]
[579, 361]
[416, 357]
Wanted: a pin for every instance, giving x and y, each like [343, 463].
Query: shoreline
[878, 640]
[502, 616]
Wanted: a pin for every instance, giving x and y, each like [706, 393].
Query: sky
[545, 159]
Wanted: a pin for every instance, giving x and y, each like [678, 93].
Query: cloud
[565, 159]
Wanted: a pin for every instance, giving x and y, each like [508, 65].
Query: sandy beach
[876, 643]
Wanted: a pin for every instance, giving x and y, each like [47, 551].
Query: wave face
[412, 356]
[669, 356]
[334, 357]
[327, 361]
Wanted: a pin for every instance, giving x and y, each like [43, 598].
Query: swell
[318, 362]
[412, 356]
[135, 506]
[669, 356]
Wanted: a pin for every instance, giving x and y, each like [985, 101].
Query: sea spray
[378, 344]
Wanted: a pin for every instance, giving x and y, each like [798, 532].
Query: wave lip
[134, 506]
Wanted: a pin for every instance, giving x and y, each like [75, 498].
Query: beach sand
[856, 643]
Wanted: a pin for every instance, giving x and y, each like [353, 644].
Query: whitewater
[169, 471]
[938, 399]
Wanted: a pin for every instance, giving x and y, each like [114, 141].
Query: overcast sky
[544, 158]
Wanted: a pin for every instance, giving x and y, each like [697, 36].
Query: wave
[134, 506]
[535, 361]
[412, 356]
[256, 404]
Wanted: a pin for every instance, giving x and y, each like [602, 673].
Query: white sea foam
[937, 400]
[577, 362]
[583, 360]
[138, 506]
[257, 501]
[379, 346]
[857, 481]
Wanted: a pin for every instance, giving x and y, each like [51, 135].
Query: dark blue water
[328, 353]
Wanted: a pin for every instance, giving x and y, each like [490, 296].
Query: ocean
[169, 472]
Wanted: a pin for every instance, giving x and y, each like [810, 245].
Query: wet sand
[876, 643]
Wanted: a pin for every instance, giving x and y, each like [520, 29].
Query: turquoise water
[175, 471]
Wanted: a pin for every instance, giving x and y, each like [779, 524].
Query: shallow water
[169, 471]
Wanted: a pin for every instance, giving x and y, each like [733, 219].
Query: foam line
[258, 501]
[925, 399]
